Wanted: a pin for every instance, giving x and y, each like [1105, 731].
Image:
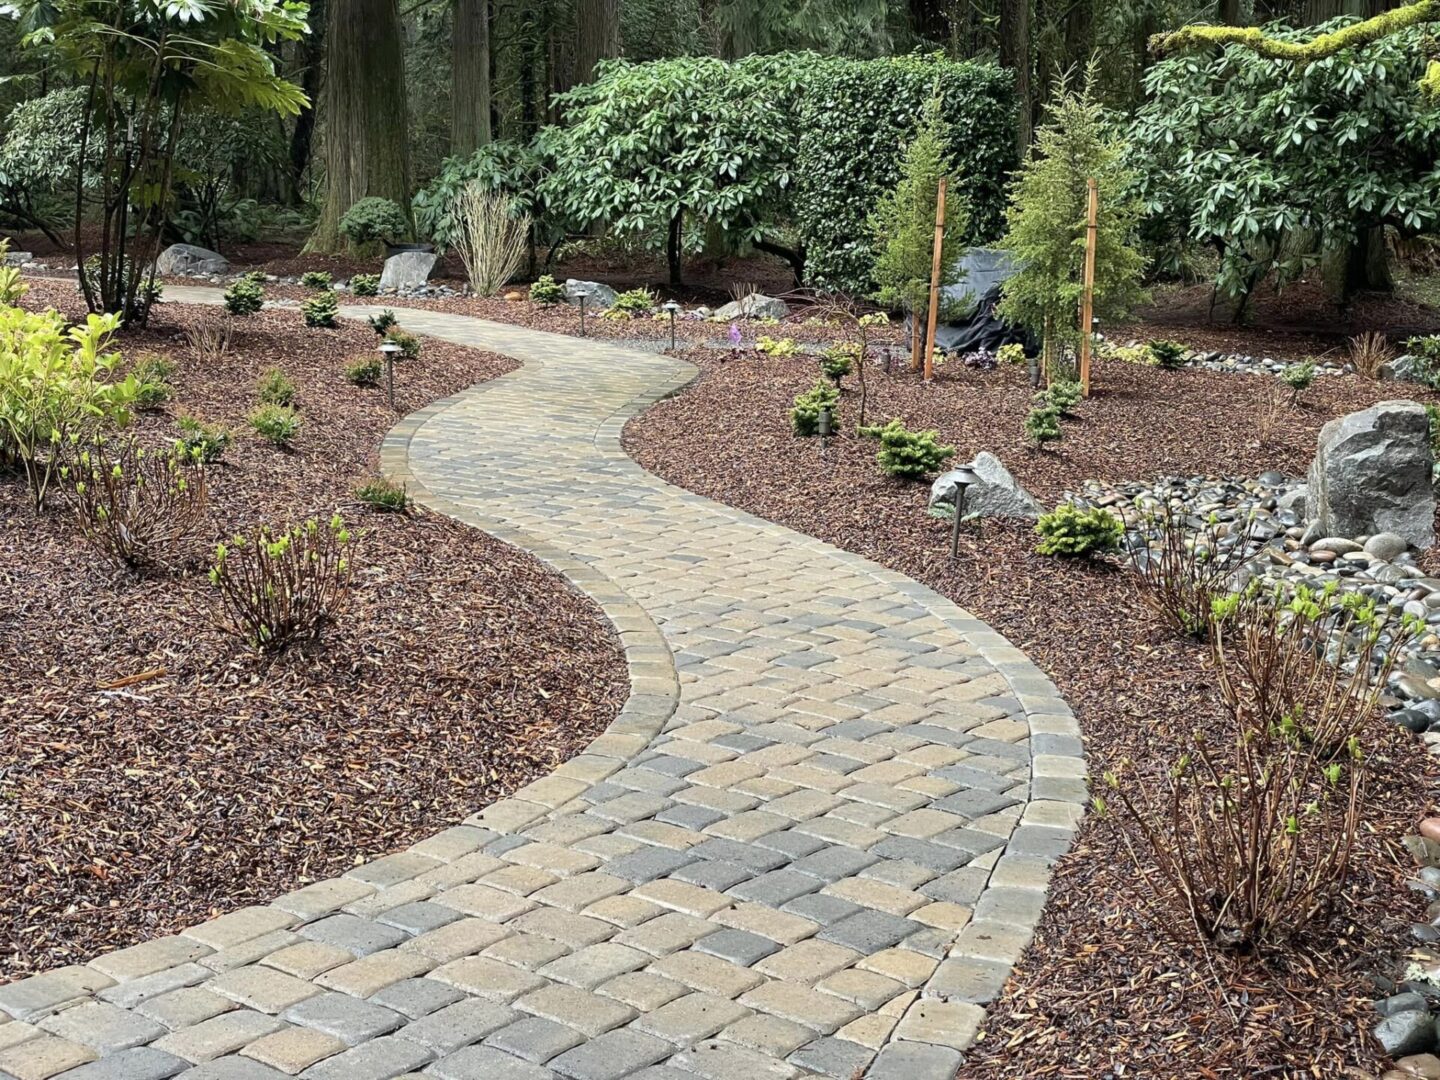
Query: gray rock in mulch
[1408, 1032]
[407, 271]
[997, 494]
[1386, 546]
[1371, 474]
[754, 306]
[188, 260]
[598, 296]
[1404, 368]
[17, 258]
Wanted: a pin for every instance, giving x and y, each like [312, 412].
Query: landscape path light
[672, 308]
[963, 477]
[389, 350]
[823, 426]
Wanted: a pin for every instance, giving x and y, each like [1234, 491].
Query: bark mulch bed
[460, 669]
[1101, 992]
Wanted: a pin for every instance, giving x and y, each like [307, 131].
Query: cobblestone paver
[813, 843]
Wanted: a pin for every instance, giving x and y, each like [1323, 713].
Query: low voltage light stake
[672, 309]
[582, 314]
[389, 350]
[963, 477]
[824, 428]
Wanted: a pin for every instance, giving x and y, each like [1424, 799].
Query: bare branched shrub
[144, 510]
[1273, 407]
[741, 291]
[1369, 353]
[1251, 836]
[211, 339]
[1186, 569]
[490, 237]
[280, 587]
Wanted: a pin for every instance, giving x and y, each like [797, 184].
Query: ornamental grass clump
[490, 236]
[279, 587]
[1250, 834]
[906, 454]
[143, 510]
[1071, 531]
[805, 416]
[383, 496]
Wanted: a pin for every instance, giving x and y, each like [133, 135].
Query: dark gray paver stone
[486, 1063]
[870, 931]
[776, 887]
[379, 1059]
[416, 997]
[349, 1019]
[738, 946]
[838, 1058]
[914, 1061]
[535, 1039]
[419, 917]
[141, 1063]
[359, 936]
[612, 1055]
[458, 1025]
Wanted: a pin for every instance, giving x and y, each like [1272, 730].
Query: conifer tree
[903, 223]
[1047, 219]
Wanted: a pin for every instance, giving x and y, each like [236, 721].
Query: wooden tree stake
[1087, 297]
[935, 268]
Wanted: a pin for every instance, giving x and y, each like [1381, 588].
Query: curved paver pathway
[813, 843]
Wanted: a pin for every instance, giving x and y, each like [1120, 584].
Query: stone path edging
[814, 841]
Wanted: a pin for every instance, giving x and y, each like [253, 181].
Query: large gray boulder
[407, 270]
[1371, 474]
[996, 494]
[754, 306]
[598, 296]
[17, 258]
[188, 260]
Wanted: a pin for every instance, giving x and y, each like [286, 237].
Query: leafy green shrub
[547, 291]
[409, 343]
[383, 495]
[805, 416]
[153, 374]
[1169, 355]
[634, 302]
[278, 423]
[779, 348]
[907, 454]
[1013, 353]
[1063, 395]
[838, 361]
[1426, 351]
[1043, 425]
[1069, 530]
[321, 311]
[365, 284]
[1433, 412]
[317, 279]
[383, 322]
[244, 297]
[142, 510]
[57, 386]
[280, 587]
[366, 371]
[1299, 378]
[202, 442]
[373, 220]
[1127, 354]
[275, 388]
[147, 291]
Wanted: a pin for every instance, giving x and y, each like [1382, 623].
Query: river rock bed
[1246, 364]
[1264, 516]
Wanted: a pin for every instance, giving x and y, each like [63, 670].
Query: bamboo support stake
[935, 268]
[1087, 298]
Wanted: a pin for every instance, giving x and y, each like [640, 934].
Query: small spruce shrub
[1068, 530]
[366, 371]
[374, 220]
[278, 587]
[1299, 377]
[244, 297]
[365, 284]
[409, 343]
[383, 322]
[153, 374]
[1043, 425]
[1013, 353]
[547, 291]
[805, 416]
[1169, 355]
[838, 361]
[383, 495]
[277, 423]
[634, 302]
[779, 348]
[1063, 395]
[320, 280]
[274, 388]
[321, 311]
[909, 455]
[203, 443]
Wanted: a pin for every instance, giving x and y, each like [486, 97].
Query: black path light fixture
[672, 308]
[823, 426]
[582, 314]
[390, 350]
[962, 477]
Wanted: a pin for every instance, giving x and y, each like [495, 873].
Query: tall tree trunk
[311, 57]
[1015, 55]
[675, 247]
[1228, 12]
[1080, 32]
[929, 20]
[470, 75]
[597, 29]
[366, 136]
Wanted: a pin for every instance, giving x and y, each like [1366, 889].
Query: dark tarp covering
[970, 306]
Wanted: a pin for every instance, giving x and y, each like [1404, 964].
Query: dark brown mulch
[1102, 992]
[460, 669]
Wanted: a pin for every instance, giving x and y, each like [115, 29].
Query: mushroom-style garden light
[964, 476]
[389, 350]
[672, 308]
